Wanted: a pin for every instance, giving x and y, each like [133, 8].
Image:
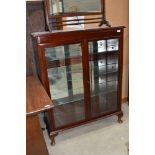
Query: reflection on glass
[81, 22]
[56, 6]
[103, 63]
[103, 46]
[59, 81]
[112, 44]
[99, 46]
[73, 6]
[66, 83]
[62, 52]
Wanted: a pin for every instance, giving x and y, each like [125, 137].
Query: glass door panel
[65, 75]
[103, 61]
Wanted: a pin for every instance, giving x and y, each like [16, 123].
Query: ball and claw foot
[120, 118]
[52, 137]
[53, 142]
[120, 121]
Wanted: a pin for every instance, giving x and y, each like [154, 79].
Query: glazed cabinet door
[65, 75]
[103, 65]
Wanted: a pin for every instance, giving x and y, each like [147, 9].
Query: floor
[103, 137]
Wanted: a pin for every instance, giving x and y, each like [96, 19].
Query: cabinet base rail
[53, 134]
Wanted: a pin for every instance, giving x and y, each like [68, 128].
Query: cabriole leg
[120, 115]
[52, 137]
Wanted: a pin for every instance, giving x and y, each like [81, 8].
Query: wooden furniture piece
[60, 13]
[37, 101]
[35, 22]
[82, 73]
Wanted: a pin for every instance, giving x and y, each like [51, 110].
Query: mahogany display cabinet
[82, 73]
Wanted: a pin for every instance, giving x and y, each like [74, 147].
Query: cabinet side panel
[35, 144]
[120, 69]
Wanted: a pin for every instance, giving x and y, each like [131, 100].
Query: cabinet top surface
[37, 99]
[46, 33]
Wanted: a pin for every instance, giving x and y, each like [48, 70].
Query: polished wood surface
[35, 144]
[66, 116]
[37, 99]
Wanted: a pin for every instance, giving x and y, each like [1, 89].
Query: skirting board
[125, 99]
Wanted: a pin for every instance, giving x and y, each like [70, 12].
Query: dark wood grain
[61, 117]
[35, 144]
[90, 34]
[37, 99]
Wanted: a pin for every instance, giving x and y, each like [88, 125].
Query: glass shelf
[61, 89]
[100, 74]
[98, 93]
[105, 59]
[58, 72]
[104, 82]
[50, 58]
[106, 78]
[70, 99]
[93, 51]
[103, 69]
[103, 88]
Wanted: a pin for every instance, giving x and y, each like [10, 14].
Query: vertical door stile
[86, 78]
[120, 69]
[43, 72]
